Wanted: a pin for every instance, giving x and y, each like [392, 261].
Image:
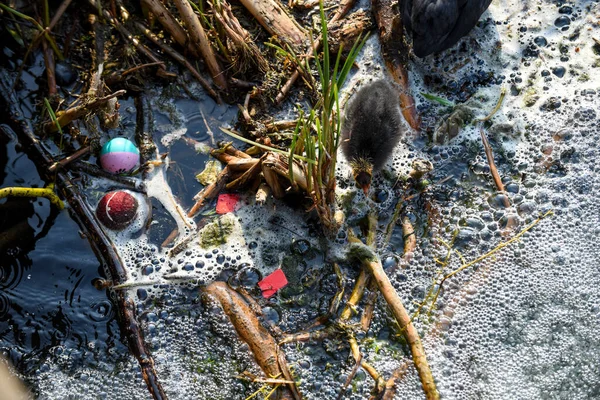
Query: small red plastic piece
[226, 203]
[272, 283]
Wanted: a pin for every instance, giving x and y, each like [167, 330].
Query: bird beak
[365, 189]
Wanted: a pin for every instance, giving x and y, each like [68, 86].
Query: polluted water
[521, 323]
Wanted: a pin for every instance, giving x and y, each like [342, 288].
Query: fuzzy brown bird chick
[371, 128]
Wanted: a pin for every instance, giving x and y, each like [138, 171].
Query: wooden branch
[59, 12]
[379, 382]
[50, 68]
[344, 33]
[60, 164]
[490, 159]
[261, 343]
[395, 51]
[210, 192]
[408, 234]
[242, 164]
[372, 263]
[273, 17]
[200, 40]
[66, 117]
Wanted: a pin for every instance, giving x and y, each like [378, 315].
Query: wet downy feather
[371, 129]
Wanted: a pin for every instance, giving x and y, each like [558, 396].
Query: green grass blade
[436, 99]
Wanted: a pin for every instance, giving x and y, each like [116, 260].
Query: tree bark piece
[345, 32]
[200, 40]
[261, 343]
[273, 17]
[395, 51]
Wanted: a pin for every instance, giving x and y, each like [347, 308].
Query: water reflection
[46, 271]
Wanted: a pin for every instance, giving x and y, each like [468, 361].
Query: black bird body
[371, 128]
[437, 25]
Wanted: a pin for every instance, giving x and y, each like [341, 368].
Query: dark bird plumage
[437, 25]
[371, 128]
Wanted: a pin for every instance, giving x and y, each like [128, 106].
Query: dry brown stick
[363, 277]
[395, 51]
[210, 191]
[229, 148]
[242, 164]
[200, 40]
[275, 19]
[410, 244]
[372, 263]
[50, 68]
[280, 125]
[390, 386]
[169, 22]
[490, 158]
[343, 8]
[65, 117]
[180, 59]
[285, 89]
[369, 309]
[141, 66]
[355, 297]
[408, 234]
[60, 164]
[225, 157]
[261, 343]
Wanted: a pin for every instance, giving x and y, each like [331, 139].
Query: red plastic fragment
[272, 283]
[226, 203]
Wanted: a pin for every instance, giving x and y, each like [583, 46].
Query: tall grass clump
[317, 134]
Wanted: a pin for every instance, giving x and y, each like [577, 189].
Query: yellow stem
[47, 192]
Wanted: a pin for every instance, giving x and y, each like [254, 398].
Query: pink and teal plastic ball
[119, 155]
